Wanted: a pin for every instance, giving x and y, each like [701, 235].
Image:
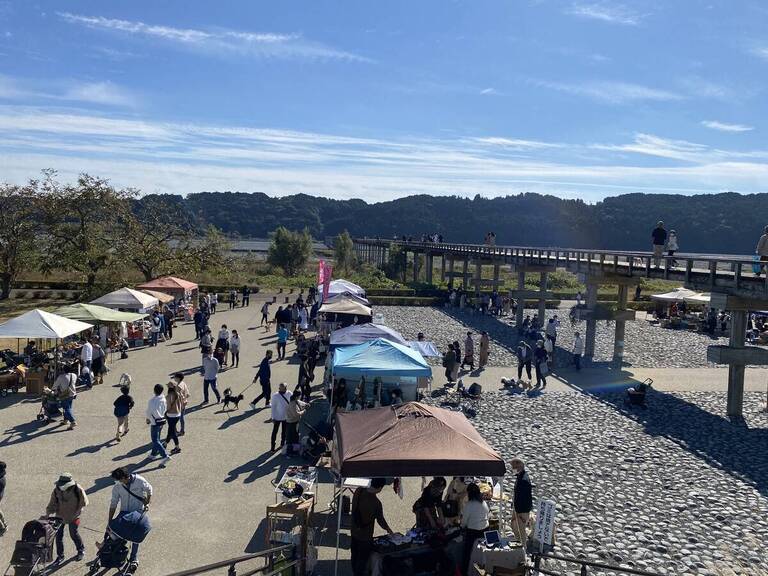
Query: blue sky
[378, 100]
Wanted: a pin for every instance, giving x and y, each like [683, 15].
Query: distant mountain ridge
[727, 223]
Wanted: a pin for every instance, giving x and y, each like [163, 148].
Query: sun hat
[65, 481]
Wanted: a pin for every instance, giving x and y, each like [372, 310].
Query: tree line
[98, 231]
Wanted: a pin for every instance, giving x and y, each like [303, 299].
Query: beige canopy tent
[161, 296]
[345, 305]
[702, 298]
[676, 295]
[127, 299]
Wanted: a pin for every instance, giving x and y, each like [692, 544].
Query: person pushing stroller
[67, 502]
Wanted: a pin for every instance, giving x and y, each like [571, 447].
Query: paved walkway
[209, 501]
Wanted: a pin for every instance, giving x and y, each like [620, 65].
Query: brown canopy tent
[411, 439]
[176, 287]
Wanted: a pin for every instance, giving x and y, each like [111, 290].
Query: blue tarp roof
[360, 333]
[379, 358]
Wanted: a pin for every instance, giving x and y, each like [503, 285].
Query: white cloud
[606, 12]
[100, 93]
[181, 158]
[725, 127]
[760, 52]
[70, 90]
[488, 91]
[613, 92]
[219, 41]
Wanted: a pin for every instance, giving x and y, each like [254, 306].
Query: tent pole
[338, 526]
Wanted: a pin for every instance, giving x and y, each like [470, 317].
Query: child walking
[123, 406]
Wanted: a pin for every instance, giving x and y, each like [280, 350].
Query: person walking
[264, 313]
[132, 493]
[524, 359]
[280, 401]
[234, 348]
[174, 405]
[366, 512]
[206, 342]
[222, 343]
[86, 354]
[3, 523]
[183, 391]
[123, 406]
[469, 352]
[551, 331]
[156, 419]
[67, 502]
[485, 348]
[295, 410]
[170, 317]
[550, 350]
[474, 521]
[98, 363]
[214, 302]
[578, 350]
[65, 388]
[762, 250]
[198, 319]
[282, 340]
[154, 328]
[449, 363]
[522, 501]
[232, 299]
[659, 238]
[264, 376]
[211, 368]
[540, 364]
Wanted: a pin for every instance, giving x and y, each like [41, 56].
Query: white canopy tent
[127, 299]
[41, 324]
[703, 298]
[339, 287]
[676, 295]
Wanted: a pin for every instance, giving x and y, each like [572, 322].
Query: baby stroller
[113, 553]
[34, 552]
[50, 408]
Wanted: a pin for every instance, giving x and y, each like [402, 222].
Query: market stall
[349, 296]
[411, 440]
[162, 297]
[128, 300]
[40, 325]
[671, 308]
[339, 287]
[374, 368]
[360, 333]
[112, 325]
[342, 311]
[183, 291]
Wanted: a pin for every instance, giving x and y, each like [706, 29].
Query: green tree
[344, 252]
[85, 224]
[290, 250]
[19, 232]
[397, 264]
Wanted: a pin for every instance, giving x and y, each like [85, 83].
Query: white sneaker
[165, 460]
[252, 405]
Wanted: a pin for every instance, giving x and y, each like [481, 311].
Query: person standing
[174, 405]
[295, 410]
[246, 296]
[474, 521]
[65, 388]
[234, 348]
[264, 376]
[540, 364]
[198, 319]
[762, 250]
[206, 342]
[86, 354]
[551, 331]
[132, 493]
[98, 362]
[156, 410]
[123, 406]
[366, 512]
[485, 348]
[578, 350]
[672, 246]
[469, 352]
[282, 340]
[214, 302]
[154, 328]
[232, 299]
[183, 391]
[264, 313]
[659, 237]
[449, 363]
[280, 401]
[67, 502]
[169, 316]
[522, 500]
[222, 342]
[524, 359]
[211, 369]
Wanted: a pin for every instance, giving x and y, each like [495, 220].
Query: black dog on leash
[230, 399]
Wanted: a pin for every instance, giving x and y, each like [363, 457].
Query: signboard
[544, 529]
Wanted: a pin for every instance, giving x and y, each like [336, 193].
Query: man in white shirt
[132, 493]
[86, 354]
[280, 400]
[156, 408]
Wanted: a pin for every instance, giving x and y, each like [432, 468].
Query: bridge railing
[231, 564]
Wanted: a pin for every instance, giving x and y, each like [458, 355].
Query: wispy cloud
[605, 12]
[725, 127]
[70, 90]
[613, 92]
[760, 51]
[489, 91]
[219, 41]
[181, 158]
[100, 93]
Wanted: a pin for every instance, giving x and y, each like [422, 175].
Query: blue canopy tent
[361, 333]
[395, 365]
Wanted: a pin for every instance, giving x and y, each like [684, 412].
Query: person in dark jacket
[449, 363]
[659, 237]
[524, 359]
[522, 501]
[3, 525]
[540, 363]
[264, 376]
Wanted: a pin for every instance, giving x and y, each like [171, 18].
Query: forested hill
[719, 223]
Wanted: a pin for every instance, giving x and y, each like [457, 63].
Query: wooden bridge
[730, 279]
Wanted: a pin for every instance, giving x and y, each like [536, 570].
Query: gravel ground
[674, 488]
[646, 345]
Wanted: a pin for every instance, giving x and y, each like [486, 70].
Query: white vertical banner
[544, 529]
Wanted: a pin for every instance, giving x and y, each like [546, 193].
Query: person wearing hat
[67, 502]
[540, 364]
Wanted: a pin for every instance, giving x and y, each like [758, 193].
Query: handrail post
[232, 570]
